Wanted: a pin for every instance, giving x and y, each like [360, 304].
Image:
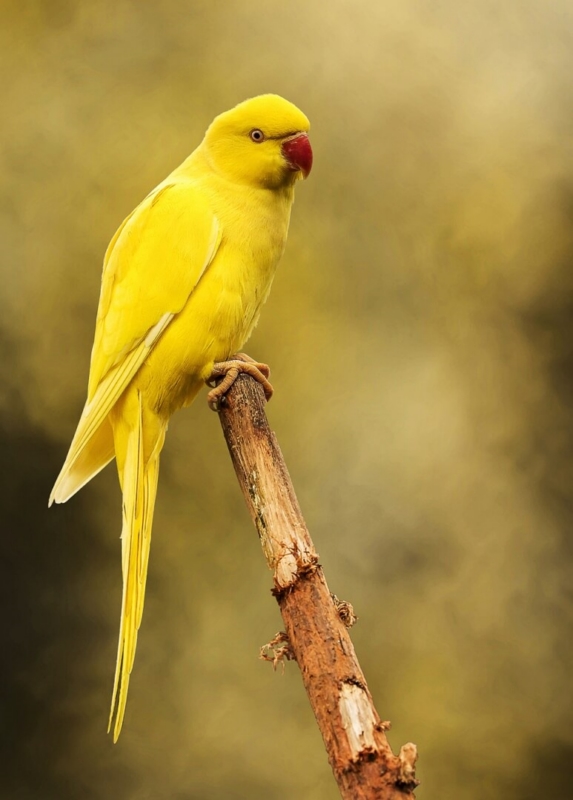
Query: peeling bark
[316, 632]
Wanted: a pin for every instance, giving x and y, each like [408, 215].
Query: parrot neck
[200, 166]
[198, 169]
[238, 168]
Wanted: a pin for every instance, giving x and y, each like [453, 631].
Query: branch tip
[407, 775]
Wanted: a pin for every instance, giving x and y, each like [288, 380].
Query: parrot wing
[151, 266]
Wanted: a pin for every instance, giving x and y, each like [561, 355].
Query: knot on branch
[278, 650]
[293, 565]
[345, 611]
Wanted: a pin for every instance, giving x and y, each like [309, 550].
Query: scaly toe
[225, 373]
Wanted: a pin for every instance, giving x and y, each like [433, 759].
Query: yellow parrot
[183, 283]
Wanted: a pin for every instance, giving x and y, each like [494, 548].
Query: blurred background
[420, 334]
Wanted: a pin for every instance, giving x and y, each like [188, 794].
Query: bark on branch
[363, 763]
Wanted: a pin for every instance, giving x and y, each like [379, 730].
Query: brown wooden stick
[364, 766]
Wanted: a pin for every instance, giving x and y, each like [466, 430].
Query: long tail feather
[139, 483]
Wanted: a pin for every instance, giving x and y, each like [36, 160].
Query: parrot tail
[138, 477]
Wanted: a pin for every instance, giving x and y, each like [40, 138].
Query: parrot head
[262, 142]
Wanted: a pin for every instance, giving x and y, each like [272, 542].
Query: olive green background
[420, 335]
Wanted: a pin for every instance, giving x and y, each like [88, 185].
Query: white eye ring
[257, 136]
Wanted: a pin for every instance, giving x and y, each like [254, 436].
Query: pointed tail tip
[115, 720]
[117, 725]
[115, 733]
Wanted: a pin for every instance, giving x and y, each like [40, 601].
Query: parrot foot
[264, 369]
[229, 371]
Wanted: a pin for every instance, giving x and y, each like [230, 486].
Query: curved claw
[229, 371]
[264, 369]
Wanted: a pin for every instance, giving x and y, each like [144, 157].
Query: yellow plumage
[183, 283]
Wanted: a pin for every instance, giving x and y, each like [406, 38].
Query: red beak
[298, 153]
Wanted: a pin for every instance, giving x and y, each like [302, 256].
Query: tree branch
[363, 763]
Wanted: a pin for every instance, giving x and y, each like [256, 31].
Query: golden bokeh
[419, 331]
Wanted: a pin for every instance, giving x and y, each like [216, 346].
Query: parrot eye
[257, 136]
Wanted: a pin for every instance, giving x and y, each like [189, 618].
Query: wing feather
[152, 266]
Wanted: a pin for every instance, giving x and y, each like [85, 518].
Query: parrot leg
[229, 372]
